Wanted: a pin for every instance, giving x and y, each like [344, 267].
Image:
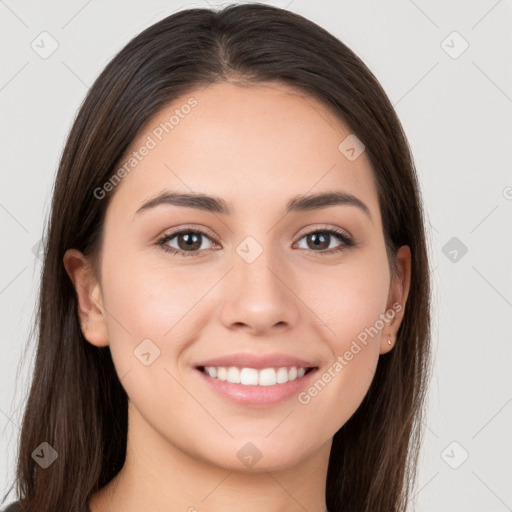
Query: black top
[16, 507]
[13, 507]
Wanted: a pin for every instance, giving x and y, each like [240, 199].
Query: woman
[235, 300]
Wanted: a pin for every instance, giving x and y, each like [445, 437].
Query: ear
[397, 298]
[91, 312]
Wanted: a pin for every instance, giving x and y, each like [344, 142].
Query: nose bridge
[257, 265]
[260, 298]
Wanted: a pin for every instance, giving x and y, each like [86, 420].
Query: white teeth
[233, 375]
[249, 377]
[254, 377]
[267, 377]
[282, 375]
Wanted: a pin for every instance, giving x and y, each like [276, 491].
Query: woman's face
[260, 281]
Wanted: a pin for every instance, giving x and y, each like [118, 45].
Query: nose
[258, 297]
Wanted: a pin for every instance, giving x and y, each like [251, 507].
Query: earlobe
[91, 312]
[387, 343]
[397, 298]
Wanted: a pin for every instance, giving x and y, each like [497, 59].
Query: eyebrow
[300, 203]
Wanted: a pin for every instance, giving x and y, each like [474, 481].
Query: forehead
[250, 144]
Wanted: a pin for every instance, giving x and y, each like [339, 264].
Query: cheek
[350, 299]
[149, 299]
[351, 307]
[149, 311]
[152, 308]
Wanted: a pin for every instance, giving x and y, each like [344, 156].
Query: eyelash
[347, 242]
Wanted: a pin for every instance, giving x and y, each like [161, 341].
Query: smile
[251, 387]
[255, 377]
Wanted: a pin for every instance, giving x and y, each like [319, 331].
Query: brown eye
[321, 241]
[189, 242]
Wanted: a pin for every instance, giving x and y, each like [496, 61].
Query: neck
[159, 476]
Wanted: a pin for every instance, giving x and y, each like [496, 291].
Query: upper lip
[258, 361]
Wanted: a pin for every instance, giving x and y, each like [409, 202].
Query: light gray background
[457, 115]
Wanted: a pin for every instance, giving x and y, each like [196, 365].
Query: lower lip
[257, 396]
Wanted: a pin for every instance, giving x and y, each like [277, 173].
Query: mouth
[261, 377]
[255, 387]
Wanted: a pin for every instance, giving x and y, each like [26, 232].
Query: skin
[255, 147]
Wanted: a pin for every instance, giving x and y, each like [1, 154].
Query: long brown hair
[76, 402]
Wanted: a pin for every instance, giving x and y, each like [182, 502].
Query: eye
[189, 242]
[321, 240]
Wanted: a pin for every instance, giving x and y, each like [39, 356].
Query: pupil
[190, 240]
[316, 241]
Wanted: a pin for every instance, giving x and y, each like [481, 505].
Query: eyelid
[304, 231]
[188, 227]
[325, 227]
